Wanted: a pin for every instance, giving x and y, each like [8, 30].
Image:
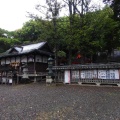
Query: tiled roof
[25, 49]
[19, 49]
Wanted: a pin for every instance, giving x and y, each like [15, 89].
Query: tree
[99, 32]
[88, 32]
[6, 40]
[115, 5]
[6, 43]
[30, 31]
[76, 8]
[52, 12]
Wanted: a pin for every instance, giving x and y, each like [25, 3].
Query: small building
[32, 57]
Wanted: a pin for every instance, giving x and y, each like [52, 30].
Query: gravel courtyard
[61, 102]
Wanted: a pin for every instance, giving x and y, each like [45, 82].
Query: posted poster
[89, 74]
[75, 74]
[102, 74]
[108, 74]
[114, 74]
[67, 76]
[82, 74]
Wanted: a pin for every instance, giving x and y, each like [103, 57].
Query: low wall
[90, 73]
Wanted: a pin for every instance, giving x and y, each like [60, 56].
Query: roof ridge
[34, 43]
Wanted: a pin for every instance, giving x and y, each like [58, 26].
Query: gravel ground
[61, 102]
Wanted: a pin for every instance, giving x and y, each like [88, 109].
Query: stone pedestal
[49, 80]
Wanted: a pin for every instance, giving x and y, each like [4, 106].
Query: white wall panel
[13, 59]
[18, 59]
[67, 76]
[24, 59]
[45, 59]
[7, 60]
[2, 61]
[38, 58]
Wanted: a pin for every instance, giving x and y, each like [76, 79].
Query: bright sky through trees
[13, 12]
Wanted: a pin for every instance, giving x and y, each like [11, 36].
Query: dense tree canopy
[115, 5]
[6, 40]
[88, 32]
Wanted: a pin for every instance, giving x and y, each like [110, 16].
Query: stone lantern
[50, 76]
[25, 76]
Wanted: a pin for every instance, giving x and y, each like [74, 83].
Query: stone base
[118, 85]
[49, 80]
[98, 84]
[80, 83]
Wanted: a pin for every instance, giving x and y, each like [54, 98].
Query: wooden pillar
[20, 67]
[79, 76]
[5, 60]
[17, 77]
[7, 80]
[1, 76]
[35, 69]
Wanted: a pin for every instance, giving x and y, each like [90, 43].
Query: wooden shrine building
[33, 57]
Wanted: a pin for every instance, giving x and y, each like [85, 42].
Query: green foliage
[30, 31]
[92, 33]
[6, 43]
[115, 5]
[61, 54]
[98, 32]
[7, 40]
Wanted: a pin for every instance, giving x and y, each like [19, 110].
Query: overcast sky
[13, 12]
